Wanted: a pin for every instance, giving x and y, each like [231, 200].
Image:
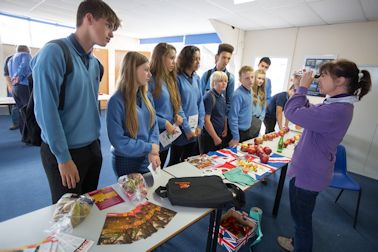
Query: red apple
[267, 150]
[258, 140]
[264, 158]
[252, 150]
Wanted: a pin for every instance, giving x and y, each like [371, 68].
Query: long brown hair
[259, 91]
[359, 81]
[160, 73]
[128, 86]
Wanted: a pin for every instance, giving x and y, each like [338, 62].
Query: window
[277, 73]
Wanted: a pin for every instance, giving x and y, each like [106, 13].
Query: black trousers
[21, 96]
[180, 153]
[163, 157]
[255, 127]
[206, 144]
[270, 124]
[88, 161]
[245, 135]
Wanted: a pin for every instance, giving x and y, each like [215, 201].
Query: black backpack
[31, 132]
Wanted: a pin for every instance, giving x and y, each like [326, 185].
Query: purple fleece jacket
[324, 125]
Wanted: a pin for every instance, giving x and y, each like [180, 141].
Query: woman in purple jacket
[324, 125]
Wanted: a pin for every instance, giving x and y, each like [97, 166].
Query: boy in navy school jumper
[213, 136]
[71, 152]
[240, 114]
[131, 120]
[324, 127]
[188, 82]
[274, 112]
[222, 58]
[164, 90]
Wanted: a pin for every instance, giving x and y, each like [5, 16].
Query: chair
[341, 180]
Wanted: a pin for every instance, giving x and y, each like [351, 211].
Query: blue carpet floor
[24, 188]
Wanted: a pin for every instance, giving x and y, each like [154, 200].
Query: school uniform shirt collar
[83, 54]
[215, 69]
[189, 78]
[216, 93]
[344, 98]
[246, 89]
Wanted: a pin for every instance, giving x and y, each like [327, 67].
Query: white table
[8, 101]
[102, 97]
[28, 228]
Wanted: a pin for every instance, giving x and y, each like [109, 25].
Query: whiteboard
[361, 140]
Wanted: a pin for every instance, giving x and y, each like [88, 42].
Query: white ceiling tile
[156, 18]
[370, 8]
[338, 11]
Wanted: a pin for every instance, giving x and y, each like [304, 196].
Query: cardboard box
[228, 240]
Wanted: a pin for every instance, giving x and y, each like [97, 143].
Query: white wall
[118, 42]
[354, 41]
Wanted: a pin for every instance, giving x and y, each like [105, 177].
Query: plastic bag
[134, 186]
[70, 211]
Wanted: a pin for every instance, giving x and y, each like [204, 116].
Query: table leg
[280, 186]
[216, 229]
[210, 232]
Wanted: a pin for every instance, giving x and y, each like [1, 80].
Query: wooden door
[119, 55]
[102, 55]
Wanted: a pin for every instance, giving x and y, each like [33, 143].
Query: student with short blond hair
[240, 114]
[212, 137]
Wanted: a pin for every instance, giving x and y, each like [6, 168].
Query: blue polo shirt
[215, 105]
[279, 99]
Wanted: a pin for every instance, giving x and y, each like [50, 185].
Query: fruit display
[235, 227]
[258, 150]
[134, 186]
[273, 135]
[247, 166]
[292, 140]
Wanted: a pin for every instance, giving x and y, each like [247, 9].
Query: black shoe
[13, 127]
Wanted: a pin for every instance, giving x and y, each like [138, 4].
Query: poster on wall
[313, 63]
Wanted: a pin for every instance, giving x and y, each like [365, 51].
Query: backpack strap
[69, 66]
[214, 99]
[208, 74]
[101, 68]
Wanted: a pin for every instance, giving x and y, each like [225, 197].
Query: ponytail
[364, 84]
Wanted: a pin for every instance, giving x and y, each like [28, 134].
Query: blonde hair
[245, 69]
[217, 76]
[161, 74]
[128, 86]
[259, 91]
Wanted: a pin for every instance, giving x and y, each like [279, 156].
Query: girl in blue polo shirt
[215, 105]
[131, 121]
[188, 83]
[163, 87]
[258, 102]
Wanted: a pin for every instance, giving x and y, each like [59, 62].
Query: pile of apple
[292, 140]
[258, 150]
[272, 135]
[235, 227]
